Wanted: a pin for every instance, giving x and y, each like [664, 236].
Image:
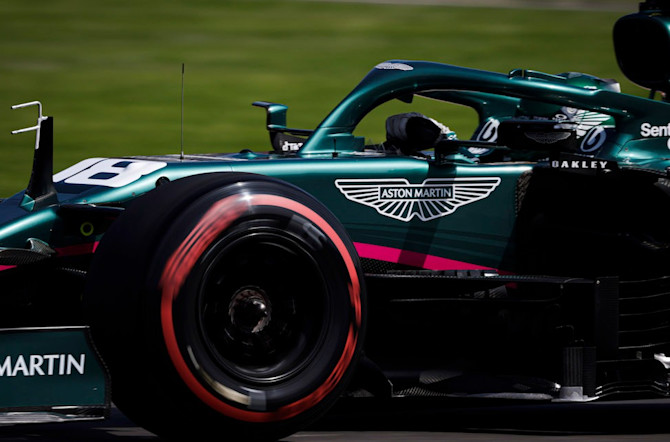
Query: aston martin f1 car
[244, 293]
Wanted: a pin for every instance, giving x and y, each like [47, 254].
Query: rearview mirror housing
[642, 45]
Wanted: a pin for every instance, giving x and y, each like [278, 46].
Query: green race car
[245, 293]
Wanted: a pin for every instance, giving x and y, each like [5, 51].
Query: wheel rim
[261, 307]
[255, 398]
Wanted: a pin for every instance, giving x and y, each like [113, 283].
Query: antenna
[182, 112]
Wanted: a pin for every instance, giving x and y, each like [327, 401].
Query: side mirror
[284, 140]
[642, 45]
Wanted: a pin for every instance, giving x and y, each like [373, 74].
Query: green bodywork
[478, 233]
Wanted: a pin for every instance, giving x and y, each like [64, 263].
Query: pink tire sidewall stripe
[221, 215]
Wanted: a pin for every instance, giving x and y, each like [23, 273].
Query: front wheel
[242, 302]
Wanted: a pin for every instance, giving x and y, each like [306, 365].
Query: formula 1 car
[245, 293]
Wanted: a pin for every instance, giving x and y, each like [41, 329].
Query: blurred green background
[109, 72]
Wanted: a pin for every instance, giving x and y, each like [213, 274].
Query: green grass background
[109, 72]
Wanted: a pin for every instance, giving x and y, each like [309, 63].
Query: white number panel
[107, 172]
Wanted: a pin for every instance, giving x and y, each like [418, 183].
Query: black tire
[226, 304]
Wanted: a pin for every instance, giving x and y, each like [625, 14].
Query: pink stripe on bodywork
[78, 249]
[405, 257]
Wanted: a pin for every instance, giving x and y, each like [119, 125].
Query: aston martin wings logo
[586, 120]
[434, 198]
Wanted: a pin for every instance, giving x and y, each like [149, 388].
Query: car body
[246, 292]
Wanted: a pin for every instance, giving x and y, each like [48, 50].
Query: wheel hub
[250, 310]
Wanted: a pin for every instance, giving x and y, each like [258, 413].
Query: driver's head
[412, 132]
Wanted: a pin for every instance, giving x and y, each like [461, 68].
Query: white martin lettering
[43, 365]
[416, 193]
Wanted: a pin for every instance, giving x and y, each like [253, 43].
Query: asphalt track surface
[420, 420]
